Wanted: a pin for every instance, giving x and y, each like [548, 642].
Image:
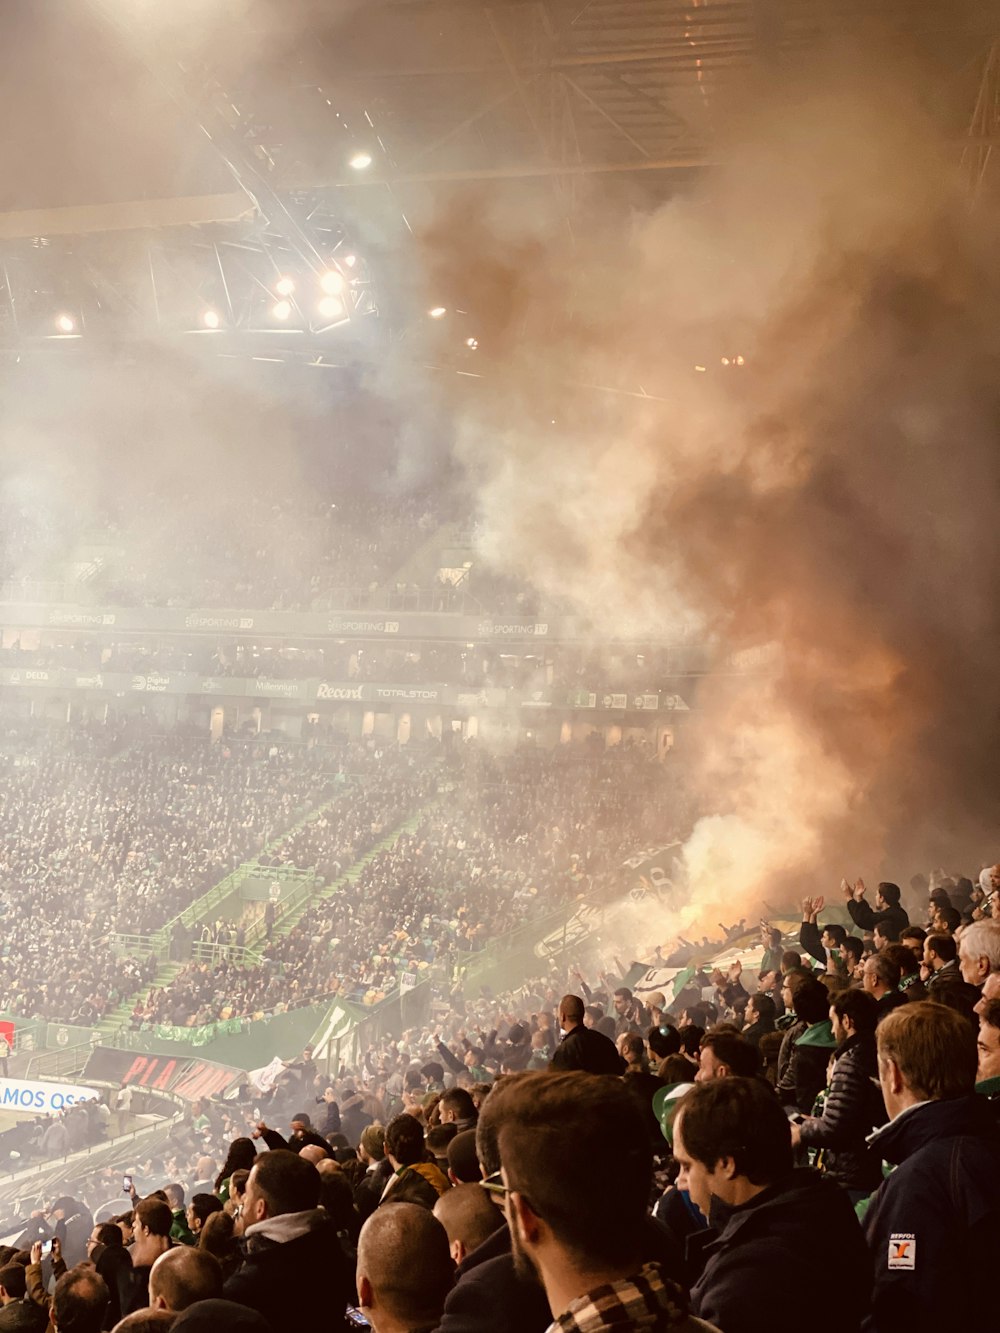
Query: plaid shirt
[647, 1301]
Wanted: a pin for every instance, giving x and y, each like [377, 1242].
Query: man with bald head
[404, 1269]
[583, 1048]
[312, 1152]
[182, 1276]
[469, 1217]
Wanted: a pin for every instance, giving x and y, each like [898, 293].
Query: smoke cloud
[834, 495]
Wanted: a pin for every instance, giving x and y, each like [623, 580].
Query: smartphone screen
[126, 1184]
[356, 1319]
[46, 1248]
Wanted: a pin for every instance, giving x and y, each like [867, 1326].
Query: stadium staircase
[117, 1019]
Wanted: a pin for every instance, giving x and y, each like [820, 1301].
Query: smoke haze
[835, 495]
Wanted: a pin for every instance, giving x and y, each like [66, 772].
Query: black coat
[304, 1283]
[853, 1108]
[369, 1190]
[944, 1192]
[866, 918]
[588, 1050]
[490, 1296]
[947, 987]
[776, 1248]
[891, 1000]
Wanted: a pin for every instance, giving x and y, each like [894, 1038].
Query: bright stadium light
[438, 312]
[281, 310]
[331, 307]
[210, 319]
[285, 286]
[66, 324]
[361, 161]
[332, 282]
[350, 261]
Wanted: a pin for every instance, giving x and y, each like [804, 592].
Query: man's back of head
[926, 1052]
[577, 1147]
[280, 1182]
[469, 1216]
[79, 1302]
[182, 1276]
[155, 1216]
[571, 1011]
[404, 1269]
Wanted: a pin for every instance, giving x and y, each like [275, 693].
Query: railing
[204, 951]
[60, 1062]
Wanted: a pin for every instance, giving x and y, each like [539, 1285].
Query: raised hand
[859, 890]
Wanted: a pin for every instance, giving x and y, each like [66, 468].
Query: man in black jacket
[887, 911]
[581, 1047]
[294, 1271]
[853, 1105]
[940, 1205]
[943, 978]
[767, 1221]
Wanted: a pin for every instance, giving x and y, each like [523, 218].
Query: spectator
[113, 1261]
[463, 1164]
[853, 1106]
[581, 1047]
[218, 1238]
[979, 952]
[810, 1041]
[220, 1317]
[294, 1272]
[888, 911]
[457, 1108]
[910, 986]
[584, 1233]
[944, 980]
[404, 1269]
[881, 979]
[153, 1221]
[241, 1156]
[146, 1321]
[182, 1276]
[988, 1048]
[819, 946]
[766, 1221]
[760, 1014]
[416, 1180]
[17, 1313]
[469, 1217]
[180, 1231]
[80, 1301]
[724, 1054]
[378, 1171]
[941, 1203]
[199, 1210]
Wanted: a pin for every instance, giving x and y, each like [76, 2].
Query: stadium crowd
[121, 840]
[515, 838]
[604, 1157]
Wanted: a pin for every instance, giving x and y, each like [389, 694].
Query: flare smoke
[835, 495]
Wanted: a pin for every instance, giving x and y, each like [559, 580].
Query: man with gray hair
[979, 952]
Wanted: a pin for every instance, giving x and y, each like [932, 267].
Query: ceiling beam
[138, 215]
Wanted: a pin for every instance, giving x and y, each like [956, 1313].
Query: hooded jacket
[294, 1272]
[939, 1207]
[804, 1077]
[853, 1108]
[423, 1183]
[775, 1247]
